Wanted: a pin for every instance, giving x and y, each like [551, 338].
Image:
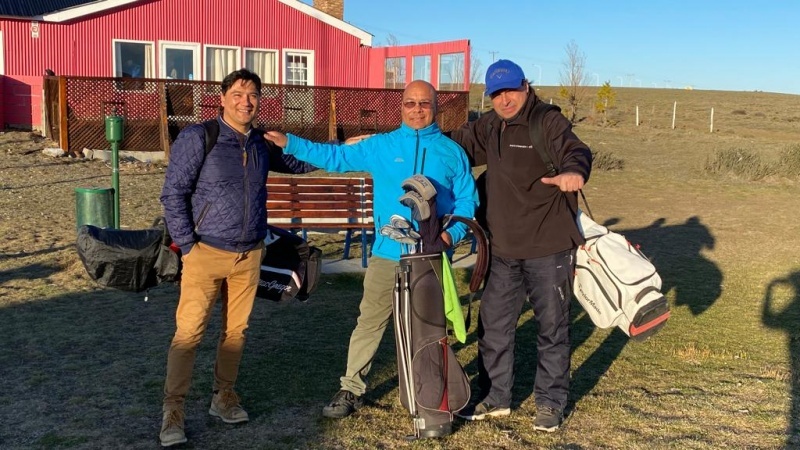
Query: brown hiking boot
[172, 428]
[225, 405]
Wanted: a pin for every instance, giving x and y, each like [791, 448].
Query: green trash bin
[94, 206]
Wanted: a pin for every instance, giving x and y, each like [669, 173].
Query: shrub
[739, 162]
[789, 163]
[607, 161]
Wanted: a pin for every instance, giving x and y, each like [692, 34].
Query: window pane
[219, 63]
[180, 63]
[261, 63]
[451, 72]
[395, 73]
[133, 59]
[422, 68]
[296, 69]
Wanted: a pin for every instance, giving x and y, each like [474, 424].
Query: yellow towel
[452, 305]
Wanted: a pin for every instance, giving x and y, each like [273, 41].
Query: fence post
[163, 123]
[63, 133]
[674, 110]
[712, 119]
[332, 117]
[637, 115]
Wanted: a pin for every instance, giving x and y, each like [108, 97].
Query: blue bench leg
[347, 239]
[364, 248]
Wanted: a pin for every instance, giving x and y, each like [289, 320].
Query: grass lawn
[83, 367]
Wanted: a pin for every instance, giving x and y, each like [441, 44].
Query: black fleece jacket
[525, 217]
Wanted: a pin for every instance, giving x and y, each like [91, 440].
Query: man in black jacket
[215, 205]
[530, 218]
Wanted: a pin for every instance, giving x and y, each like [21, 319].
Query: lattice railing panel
[156, 110]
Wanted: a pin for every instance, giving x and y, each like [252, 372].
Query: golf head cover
[420, 208]
[421, 185]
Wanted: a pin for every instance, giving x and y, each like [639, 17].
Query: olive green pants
[375, 312]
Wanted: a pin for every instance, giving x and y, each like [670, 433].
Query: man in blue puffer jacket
[417, 147]
[215, 209]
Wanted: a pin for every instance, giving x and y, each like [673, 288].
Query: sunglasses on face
[411, 104]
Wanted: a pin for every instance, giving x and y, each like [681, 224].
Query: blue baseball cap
[503, 74]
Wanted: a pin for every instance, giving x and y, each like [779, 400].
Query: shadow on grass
[86, 369]
[787, 319]
[29, 272]
[25, 254]
[676, 251]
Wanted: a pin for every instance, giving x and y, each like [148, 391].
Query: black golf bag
[433, 384]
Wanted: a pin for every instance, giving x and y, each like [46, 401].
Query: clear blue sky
[736, 45]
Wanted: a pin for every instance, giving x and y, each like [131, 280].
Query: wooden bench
[322, 203]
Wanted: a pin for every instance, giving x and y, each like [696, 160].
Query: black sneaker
[547, 419]
[342, 405]
[482, 410]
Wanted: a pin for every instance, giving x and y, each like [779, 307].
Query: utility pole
[493, 53]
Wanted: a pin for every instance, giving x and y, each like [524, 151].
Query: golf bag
[290, 268]
[433, 384]
[129, 260]
[616, 284]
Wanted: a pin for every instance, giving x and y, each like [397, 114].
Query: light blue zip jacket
[391, 158]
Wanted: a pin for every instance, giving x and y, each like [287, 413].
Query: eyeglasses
[411, 104]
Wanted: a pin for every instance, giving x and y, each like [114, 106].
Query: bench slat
[327, 214]
[316, 189]
[316, 181]
[299, 200]
[355, 208]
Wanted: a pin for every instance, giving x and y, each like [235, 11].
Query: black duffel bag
[290, 269]
[129, 260]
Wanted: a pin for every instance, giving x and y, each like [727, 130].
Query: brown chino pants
[206, 270]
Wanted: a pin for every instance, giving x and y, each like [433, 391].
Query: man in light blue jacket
[417, 147]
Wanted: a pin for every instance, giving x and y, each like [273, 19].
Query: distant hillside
[756, 114]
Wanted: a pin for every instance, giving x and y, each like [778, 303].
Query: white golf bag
[616, 284]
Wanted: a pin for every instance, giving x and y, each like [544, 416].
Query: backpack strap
[211, 128]
[536, 133]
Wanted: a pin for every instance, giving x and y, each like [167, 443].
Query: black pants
[547, 283]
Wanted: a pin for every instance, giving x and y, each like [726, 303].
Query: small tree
[606, 96]
[475, 69]
[573, 79]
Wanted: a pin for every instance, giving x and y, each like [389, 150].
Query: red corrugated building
[284, 41]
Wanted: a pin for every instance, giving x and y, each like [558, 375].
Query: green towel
[452, 305]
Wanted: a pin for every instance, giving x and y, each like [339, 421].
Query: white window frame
[277, 71]
[465, 75]
[227, 47]
[298, 51]
[2, 59]
[148, 87]
[199, 67]
[414, 67]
